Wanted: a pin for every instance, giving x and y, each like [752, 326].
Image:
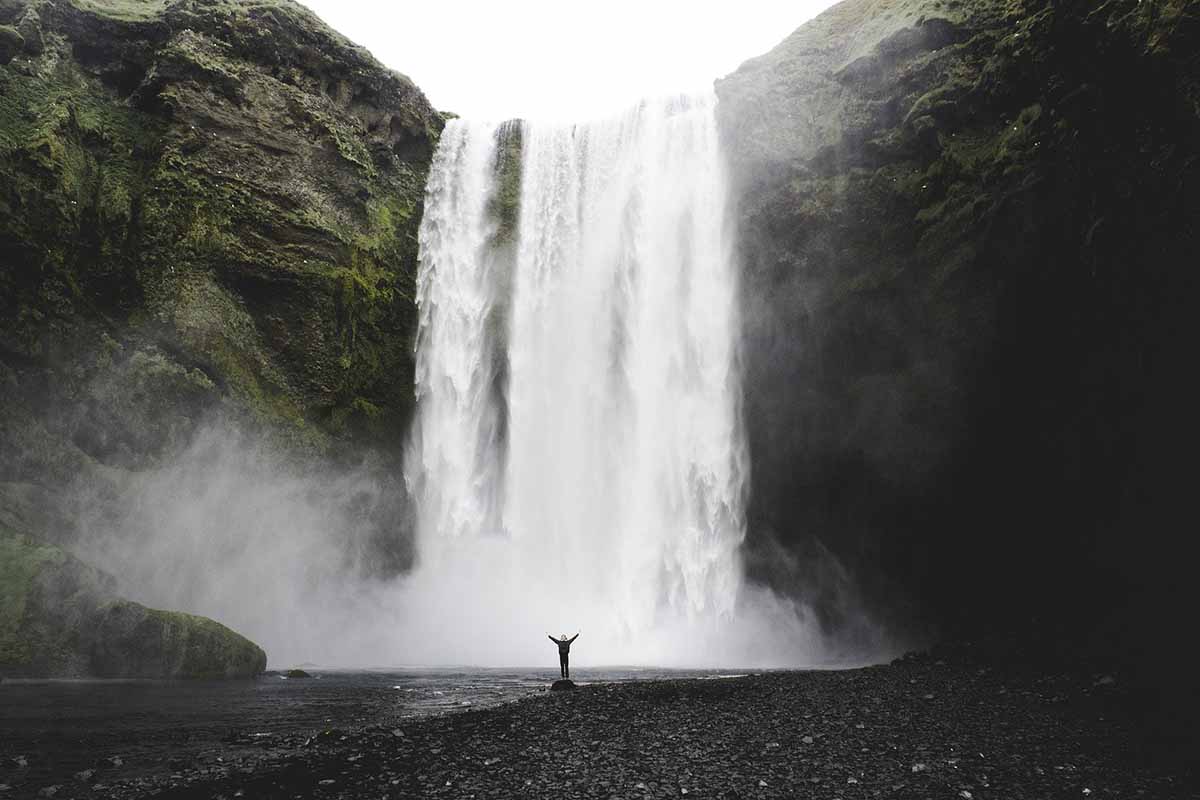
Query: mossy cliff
[969, 236]
[59, 617]
[208, 211]
[230, 186]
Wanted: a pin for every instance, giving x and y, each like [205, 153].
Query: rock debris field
[922, 727]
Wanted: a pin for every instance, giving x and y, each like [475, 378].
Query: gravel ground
[923, 727]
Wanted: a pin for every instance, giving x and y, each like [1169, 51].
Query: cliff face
[969, 239]
[208, 210]
[231, 189]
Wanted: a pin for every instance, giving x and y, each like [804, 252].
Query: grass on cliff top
[852, 28]
[149, 10]
[123, 10]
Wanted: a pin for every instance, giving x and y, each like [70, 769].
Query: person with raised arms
[564, 652]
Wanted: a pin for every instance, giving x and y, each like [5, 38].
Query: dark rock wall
[970, 247]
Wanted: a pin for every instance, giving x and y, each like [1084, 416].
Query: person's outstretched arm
[573, 638]
[551, 638]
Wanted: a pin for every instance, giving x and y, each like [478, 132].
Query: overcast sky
[562, 59]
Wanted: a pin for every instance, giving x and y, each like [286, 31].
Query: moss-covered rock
[132, 640]
[61, 618]
[232, 182]
[506, 199]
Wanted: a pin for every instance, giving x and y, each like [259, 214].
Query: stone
[63, 618]
[563, 685]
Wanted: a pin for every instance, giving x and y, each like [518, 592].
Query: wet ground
[77, 734]
[959, 725]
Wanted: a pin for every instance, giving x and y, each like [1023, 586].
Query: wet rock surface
[950, 725]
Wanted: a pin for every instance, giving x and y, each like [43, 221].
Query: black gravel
[923, 727]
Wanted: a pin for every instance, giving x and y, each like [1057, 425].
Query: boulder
[60, 618]
[563, 685]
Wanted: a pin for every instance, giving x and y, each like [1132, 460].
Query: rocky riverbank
[956, 724]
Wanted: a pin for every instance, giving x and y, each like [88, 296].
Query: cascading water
[456, 445]
[625, 454]
[599, 482]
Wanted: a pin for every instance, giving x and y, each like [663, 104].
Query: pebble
[720, 738]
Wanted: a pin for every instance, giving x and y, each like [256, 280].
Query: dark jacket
[564, 645]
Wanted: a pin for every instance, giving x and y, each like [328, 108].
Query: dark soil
[949, 725]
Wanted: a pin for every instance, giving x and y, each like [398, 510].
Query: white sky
[562, 59]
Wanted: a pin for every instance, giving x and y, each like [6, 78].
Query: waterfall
[455, 456]
[625, 451]
[578, 457]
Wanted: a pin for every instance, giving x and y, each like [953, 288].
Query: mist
[231, 528]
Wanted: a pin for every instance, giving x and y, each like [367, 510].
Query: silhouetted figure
[564, 652]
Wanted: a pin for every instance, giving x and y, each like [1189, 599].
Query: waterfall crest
[578, 457]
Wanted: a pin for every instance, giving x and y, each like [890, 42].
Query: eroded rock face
[968, 236]
[232, 183]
